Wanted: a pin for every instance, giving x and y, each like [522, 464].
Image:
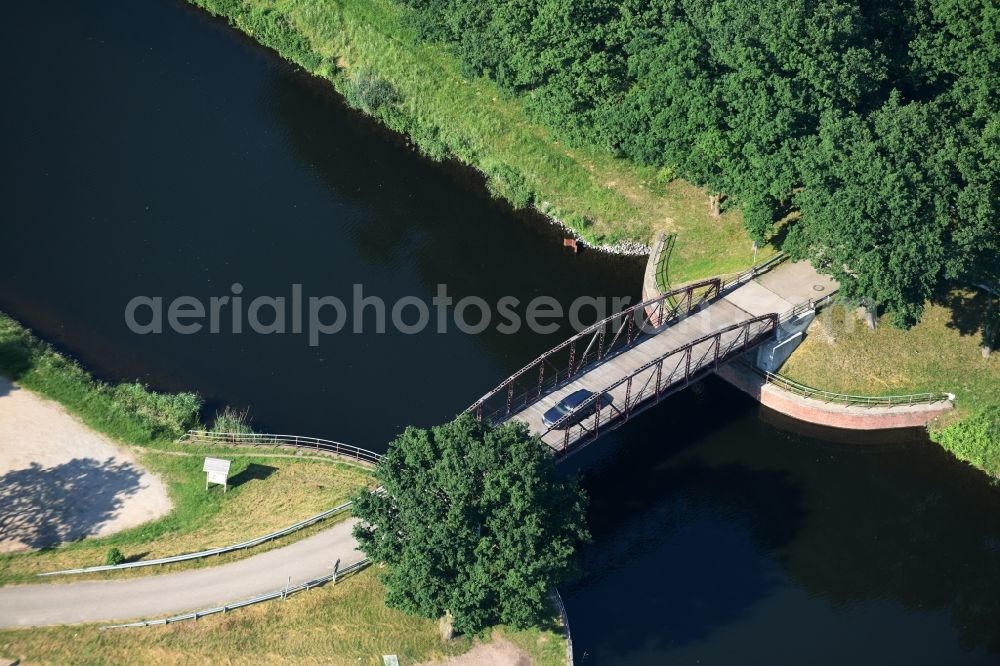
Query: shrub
[114, 557]
[169, 414]
[233, 421]
[666, 175]
[367, 91]
[428, 139]
[504, 182]
[975, 440]
[577, 221]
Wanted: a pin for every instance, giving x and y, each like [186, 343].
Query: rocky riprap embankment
[628, 248]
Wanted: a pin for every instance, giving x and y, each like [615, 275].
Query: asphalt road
[156, 596]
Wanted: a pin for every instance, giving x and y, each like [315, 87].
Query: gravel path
[61, 481]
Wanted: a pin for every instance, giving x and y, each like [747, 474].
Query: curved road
[155, 596]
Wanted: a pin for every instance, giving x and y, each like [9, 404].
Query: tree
[874, 207]
[956, 62]
[878, 119]
[473, 521]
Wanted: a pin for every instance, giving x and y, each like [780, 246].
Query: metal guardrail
[564, 616]
[848, 399]
[661, 253]
[283, 593]
[806, 306]
[298, 441]
[737, 279]
[302, 524]
[309, 443]
[831, 396]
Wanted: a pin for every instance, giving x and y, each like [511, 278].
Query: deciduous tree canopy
[473, 522]
[878, 121]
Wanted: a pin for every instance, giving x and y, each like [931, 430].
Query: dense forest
[861, 134]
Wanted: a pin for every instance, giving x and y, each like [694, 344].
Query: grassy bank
[976, 439]
[127, 412]
[271, 488]
[344, 624]
[938, 354]
[370, 53]
[268, 492]
[941, 353]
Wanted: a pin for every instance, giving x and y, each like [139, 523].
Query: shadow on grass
[135, 557]
[253, 472]
[972, 312]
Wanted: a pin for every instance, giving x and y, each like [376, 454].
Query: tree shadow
[973, 312]
[135, 557]
[725, 527]
[44, 506]
[253, 472]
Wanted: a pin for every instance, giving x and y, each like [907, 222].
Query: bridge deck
[775, 292]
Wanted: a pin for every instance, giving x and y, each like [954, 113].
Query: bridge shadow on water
[42, 507]
[721, 537]
[722, 525]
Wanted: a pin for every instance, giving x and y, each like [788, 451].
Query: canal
[151, 150]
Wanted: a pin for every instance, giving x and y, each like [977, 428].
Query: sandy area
[61, 481]
[498, 652]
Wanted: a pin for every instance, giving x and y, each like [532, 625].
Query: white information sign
[218, 472]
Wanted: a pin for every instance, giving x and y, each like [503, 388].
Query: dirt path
[60, 480]
[498, 652]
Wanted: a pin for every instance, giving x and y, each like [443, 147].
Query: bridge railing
[298, 441]
[846, 398]
[593, 345]
[730, 282]
[661, 252]
[659, 377]
[806, 306]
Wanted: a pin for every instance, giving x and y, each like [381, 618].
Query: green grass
[126, 412]
[343, 624]
[346, 624]
[941, 353]
[842, 354]
[294, 488]
[276, 491]
[369, 51]
[975, 440]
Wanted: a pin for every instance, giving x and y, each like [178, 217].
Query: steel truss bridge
[633, 359]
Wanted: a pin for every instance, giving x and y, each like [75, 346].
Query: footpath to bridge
[155, 596]
[632, 360]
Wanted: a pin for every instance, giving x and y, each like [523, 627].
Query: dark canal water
[150, 150]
